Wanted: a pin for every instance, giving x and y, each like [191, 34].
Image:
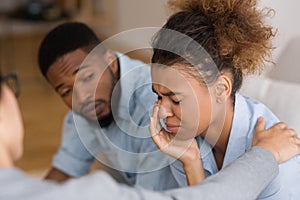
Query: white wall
[287, 42]
[279, 89]
[140, 13]
[132, 14]
[286, 19]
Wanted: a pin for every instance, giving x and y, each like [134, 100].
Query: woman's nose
[164, 111]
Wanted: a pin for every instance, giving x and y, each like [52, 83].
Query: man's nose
[82, 94]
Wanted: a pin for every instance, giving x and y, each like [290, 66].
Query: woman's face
[186, 106]
[11, 126]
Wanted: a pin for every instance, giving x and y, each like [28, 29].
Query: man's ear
[111, 59]
[223, 88]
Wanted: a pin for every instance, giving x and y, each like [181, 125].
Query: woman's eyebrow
[168, 94]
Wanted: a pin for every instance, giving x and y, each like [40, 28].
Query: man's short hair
[64, 39]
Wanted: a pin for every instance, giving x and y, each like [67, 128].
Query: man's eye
[159, 97]
[65, 93]
[89, 77]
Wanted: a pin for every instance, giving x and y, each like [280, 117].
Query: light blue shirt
[246, 112]
[125, 144]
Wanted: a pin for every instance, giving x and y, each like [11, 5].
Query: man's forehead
[68, 61]
[72, 59]
[71, 63]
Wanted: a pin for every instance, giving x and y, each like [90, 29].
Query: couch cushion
[283, 98]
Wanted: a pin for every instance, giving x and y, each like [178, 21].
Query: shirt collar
[237, 143]
[237, 139]
[131, 78]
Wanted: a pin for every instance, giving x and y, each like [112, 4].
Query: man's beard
[106, 120]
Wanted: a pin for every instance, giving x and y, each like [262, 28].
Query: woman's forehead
[172, 79]
[170, 74]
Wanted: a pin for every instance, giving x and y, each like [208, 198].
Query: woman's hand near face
[186, 151]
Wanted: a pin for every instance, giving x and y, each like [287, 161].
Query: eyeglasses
[12, 81]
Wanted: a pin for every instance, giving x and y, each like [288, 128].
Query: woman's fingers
[157, 134]
[155, 126]
[152, 127]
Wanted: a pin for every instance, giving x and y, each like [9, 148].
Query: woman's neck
[219, 132]
[222, 142]
[5, 159]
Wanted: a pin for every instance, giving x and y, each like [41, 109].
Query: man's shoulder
[126, 59]
[74, 119]
[133, 66]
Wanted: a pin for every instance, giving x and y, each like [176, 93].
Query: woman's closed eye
[176, 102]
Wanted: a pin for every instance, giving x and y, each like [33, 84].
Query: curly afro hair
[233, 33]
